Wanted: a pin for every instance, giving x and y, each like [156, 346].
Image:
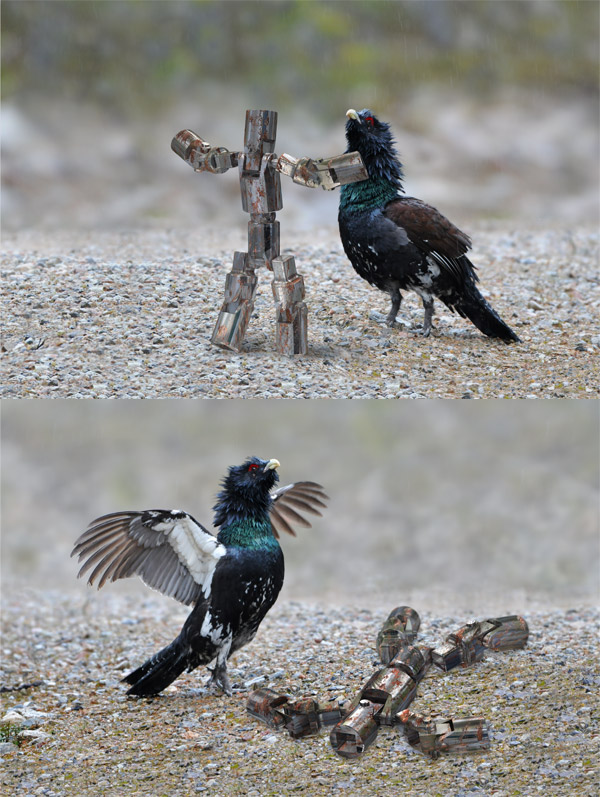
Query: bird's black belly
[382, 260]
[244, 587]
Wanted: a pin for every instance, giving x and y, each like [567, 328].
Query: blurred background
[494, 104]
[480, 506]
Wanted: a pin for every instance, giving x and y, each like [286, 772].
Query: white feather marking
[425, 295]
[215, 634]
[433, 267]
[197, 550]
[224, 651]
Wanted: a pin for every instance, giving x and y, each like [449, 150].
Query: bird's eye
[252, 467]
[370, 121]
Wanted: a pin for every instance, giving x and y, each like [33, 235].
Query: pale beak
[351, 114]
[271, 465]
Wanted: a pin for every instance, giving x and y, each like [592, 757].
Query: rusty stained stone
[464, 735]
[393, 689]
[287, 294]
[240, 263]
[506, 633]
[327, 173]
[291, 312]
[398, 630]
[351, 737]
[463, 647]
[413, 660]
[238, 304]
[301, 717]
[467, 645]
[263, 241]
[219, 160]
[260, 132]
[189, 146]
[230, 329]
[201, 156]
[266, 705]
[444, 735]
[286, 164]
[239, 288]
[261, 192]
[284, 268]
[347, 168]
[291, 330]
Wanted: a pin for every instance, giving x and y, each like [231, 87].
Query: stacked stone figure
[260, 185]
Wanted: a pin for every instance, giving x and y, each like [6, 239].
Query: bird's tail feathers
[471, 304]
[159, 671]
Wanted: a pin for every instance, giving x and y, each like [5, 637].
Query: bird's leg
[220, 678]
[396, 298]
[428, 305]
[219, 673]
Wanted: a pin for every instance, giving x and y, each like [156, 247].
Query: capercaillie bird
[399, 243]
[231, 579]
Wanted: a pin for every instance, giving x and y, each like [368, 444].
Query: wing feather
[169, 550]
[279, 523]
[291, 501]
[98, 553]
[292, 516]
[109, 555]
[434, 235]
[114, 558]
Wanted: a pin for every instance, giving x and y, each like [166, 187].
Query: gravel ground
[92, 740]
[130, 316]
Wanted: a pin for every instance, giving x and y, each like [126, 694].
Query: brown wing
[433, 234]
[169, 550]
[290, 503]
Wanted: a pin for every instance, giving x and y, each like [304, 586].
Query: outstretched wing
[291, 501]
[434, 235]
[169, 550]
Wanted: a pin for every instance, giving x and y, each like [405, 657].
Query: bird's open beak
[271, 465]
[351, 114]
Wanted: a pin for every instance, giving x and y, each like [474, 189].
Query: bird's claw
[220, 678]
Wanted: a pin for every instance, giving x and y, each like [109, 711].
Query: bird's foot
[220, 678]
[375, 315]
[427, 320]
[387, 320]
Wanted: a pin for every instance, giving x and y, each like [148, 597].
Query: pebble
[136, 313]
[191, 739]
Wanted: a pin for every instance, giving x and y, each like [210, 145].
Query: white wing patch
[198, 551]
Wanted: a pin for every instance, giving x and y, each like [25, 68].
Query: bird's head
[374, 140]
[255, 475]
[246, 491]
[364, 129]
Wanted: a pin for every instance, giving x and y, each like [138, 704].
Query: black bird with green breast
[400, 243]
[231, 579]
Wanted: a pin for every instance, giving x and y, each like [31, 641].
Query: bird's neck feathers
[384, 183]
[243, 517]
[367, 195]
[249, 533]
